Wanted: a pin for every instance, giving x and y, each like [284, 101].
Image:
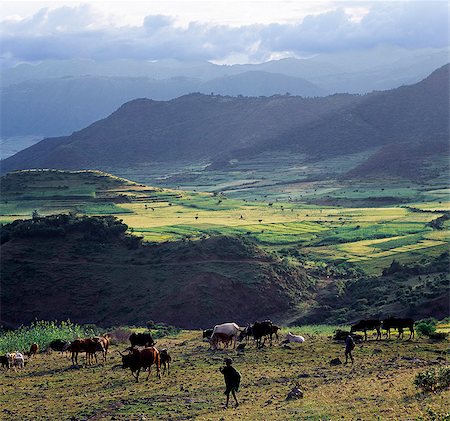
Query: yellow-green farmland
[368, 237]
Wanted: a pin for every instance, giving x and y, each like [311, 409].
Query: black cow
[4, 361]
[59, 345]
[207, 333]
[365, 325]
[246, 333]
[399, 324]
[260, 330]
[141, 339]
[137, 360]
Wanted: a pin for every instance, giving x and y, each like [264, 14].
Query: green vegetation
[433, 379]
[42, 333]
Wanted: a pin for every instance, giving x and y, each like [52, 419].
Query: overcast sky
[232, 31]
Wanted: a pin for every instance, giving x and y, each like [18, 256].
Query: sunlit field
[368, 237]
[378, 385]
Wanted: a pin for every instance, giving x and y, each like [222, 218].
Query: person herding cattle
[232, 380]
[349, 347]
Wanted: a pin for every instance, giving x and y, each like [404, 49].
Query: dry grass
[379, 385]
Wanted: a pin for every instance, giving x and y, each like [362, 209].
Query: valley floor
[378, 386]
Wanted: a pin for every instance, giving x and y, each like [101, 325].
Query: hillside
[58, 106]
[198, 127]
[88, 270]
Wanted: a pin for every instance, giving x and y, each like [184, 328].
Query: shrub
[426, 326]
[433, 379]
[120, 335]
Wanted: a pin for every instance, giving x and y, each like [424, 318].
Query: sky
[232, 31]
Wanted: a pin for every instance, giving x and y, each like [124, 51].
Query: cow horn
[119, 352]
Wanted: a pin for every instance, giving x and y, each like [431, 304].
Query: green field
[368, 237]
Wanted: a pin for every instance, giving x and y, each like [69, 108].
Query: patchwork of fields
[368, 237]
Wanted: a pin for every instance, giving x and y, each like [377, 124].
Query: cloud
[84, 32]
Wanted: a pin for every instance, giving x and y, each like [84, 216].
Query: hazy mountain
[59, 106]
[199, 127]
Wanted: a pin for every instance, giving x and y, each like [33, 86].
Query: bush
[433, 379]
[120, 335]
[426, 326]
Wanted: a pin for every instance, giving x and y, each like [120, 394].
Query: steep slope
[191, 127]
[87, 270]
[198, 127]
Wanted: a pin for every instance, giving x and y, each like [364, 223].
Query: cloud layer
[83, 32]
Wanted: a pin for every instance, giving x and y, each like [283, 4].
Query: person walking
[349, 347]
[232, 380]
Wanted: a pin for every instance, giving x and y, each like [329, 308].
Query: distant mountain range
[54, 98]
[217, 128]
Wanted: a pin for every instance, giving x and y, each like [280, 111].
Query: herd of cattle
[142, 353]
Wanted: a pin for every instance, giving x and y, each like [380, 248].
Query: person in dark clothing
[232, 380]
[349, 347]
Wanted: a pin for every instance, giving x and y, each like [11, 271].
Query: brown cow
[88, 345]
[34, 349]
[139, 359]
[165, 360]
[221, 337]
[105, 341]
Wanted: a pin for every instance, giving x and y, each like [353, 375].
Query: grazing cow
[89, 345]
[59, 345]
[399, 324]
[10, 356]
[141, 339]
[105, 341]
[166, 359]
[246, 333]
[290, 337]
[221, 337]
[260, 330]
[34, 349]
[230, 329]
[137, 360]
[207, 333]
[365, 325]
[4, 361]
[19, 360]
[275, 330]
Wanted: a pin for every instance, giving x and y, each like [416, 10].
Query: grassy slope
[363, 235]
[378, 385]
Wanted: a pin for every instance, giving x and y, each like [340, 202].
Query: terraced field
[368, 237]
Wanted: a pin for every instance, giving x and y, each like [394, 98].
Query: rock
[335, 361]
[295, 393]
[304, 375]
[377, 351]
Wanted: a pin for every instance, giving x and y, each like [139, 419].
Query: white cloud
[83, 31]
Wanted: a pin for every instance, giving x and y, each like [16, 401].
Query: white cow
[19, 360]
[230, 329]
[290, 337]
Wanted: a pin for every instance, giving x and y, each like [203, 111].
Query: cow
[260, 330]
[221, 337]
[88, 345]
[10, 356]
[141, 339]
[399, 324]
[137, 360]
[365, 325]
[246, 333]
[105, 341]
[275, 330]
[166, 359]
[207, 333]
[4, 361]
[230, 329]
[19, 360]
[34, 349]
[59, 345]
[290, 337]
